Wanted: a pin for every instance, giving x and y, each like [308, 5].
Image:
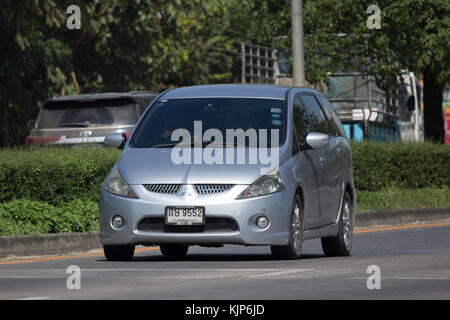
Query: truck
[369, 113]
[366, 111]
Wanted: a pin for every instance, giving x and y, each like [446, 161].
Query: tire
[294, 249]
[341, 245]
[119, 252]
[174, 250]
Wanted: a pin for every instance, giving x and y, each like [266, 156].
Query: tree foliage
[121, 46]
[414, 36]
[158, 44]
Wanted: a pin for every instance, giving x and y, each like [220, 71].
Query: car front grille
[163, 188]
[212, 188]
[212, 224]
[202, 189]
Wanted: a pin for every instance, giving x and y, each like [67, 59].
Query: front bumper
[277, 207]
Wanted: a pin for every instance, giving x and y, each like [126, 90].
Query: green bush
[21, 217]
[59, 175]
[55, 190]
[380, 165]
[54, 175]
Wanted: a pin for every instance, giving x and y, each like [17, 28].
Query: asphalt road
[414, 264]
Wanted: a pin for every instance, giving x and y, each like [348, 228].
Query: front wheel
[341, 245]
[294, 249]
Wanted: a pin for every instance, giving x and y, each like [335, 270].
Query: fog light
[262, 222]
[117, 221]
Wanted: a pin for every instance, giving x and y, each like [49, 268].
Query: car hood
[155, 166]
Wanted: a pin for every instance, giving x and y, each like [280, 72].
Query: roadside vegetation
[20, 217]
[157, 45]
[401, 198]
[410, 165]
[54, 190]
[401, 175]
[54, 175]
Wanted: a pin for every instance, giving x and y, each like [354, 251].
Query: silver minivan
[253, 165]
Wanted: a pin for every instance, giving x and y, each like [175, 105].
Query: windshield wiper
[166, 145]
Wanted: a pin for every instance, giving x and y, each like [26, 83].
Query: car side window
[334, 122]
[301, 120]
[317, 117]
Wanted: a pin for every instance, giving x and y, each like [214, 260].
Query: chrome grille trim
[202, 189]
[163, 188]
[212, 188]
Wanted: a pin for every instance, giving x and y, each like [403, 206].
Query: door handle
[339, 151]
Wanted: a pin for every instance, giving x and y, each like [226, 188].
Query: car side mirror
[317, 140]
[115, 140]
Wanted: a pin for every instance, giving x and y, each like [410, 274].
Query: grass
[399, 198]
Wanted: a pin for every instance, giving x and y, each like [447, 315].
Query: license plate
[185, 216]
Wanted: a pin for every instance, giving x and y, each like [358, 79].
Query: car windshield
[81, 114]
[221, 114]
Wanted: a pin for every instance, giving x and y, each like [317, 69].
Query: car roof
[260, 91]
[136, 96]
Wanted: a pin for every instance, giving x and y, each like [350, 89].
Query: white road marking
[211, 274]
[155, 274]
[278, 273]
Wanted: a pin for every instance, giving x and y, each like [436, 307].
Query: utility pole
[297, 43]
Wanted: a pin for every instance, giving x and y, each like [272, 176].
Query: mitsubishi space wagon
[253, 165]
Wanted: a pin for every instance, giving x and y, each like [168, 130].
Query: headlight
[265, 185]
[115, 184]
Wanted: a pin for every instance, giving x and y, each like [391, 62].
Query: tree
[414, 35]
[121, 46]
[30, 63]
[426, 29]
